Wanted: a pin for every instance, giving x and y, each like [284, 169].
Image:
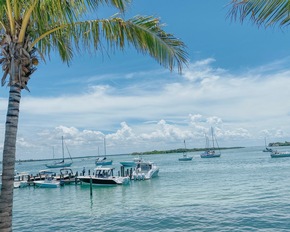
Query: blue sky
[236, 82]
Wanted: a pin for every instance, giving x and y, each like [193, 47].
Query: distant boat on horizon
[280, 154]
[210, 152]
[185, 157]
[62, 163]
[100, 161]
[266, 148]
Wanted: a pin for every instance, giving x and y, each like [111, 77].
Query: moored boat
[41, 175]
[48, 182]
[59, 164]
[63, 162]
[280, 154]
[185, 157]
[21, 180]
[145, 170]
[266, 148]
[131, 163]
[101, 161]
[65, 174]
[212, 152]
[104, 177]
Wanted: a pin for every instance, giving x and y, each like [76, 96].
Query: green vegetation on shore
[179, 150]
[279, 144]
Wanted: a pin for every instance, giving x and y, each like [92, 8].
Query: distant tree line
[279, 144]
[179, 150]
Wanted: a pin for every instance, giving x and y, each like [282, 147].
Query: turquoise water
[244, 190]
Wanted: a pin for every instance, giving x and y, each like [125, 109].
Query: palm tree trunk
[8, 168]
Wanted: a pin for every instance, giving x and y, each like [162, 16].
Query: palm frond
[144, 33]
[55, 25]
[261, 12]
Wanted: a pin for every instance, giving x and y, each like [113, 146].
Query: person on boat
[84, 171]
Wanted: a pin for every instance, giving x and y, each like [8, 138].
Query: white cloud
[163, 112]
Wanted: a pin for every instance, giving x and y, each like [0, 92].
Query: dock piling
[91, 187]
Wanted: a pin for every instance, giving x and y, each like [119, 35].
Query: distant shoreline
[155, 152]
[179, 150]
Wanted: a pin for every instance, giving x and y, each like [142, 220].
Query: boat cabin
[144, 166]
[66, 171]
[103, 172]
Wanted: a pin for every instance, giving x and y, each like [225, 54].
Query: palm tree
[31, 29]
[262, 12]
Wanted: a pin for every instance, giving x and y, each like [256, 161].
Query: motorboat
[21, 180]
[65, 174]
[41, 175]
[103, 176]
[280, 154]
[131, 163]
[48, 182]
[145, 170]
[62, 163]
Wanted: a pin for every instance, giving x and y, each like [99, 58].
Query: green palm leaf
[143, 33]
[261, 12]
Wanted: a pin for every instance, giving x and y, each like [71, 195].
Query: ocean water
[244, 190]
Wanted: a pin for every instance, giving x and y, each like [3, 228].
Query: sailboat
[62, 163]
[103, 160]
[266, 148]
[185, 157]
[211, 152]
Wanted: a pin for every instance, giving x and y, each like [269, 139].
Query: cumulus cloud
[162, 112]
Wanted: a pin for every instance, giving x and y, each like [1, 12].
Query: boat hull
[63, 165]
[185, 159]
[128, 163]
[210, 156]
[112, 181]
[102, 163]
[145, 171]
[280, 155]
[131, 163]
[44, 184]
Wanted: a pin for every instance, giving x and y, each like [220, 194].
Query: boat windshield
[144, 166]
[102, 173]
[65, 171]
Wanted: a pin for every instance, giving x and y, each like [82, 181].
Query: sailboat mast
[212, 137]
[105, 152]
[62, 148]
